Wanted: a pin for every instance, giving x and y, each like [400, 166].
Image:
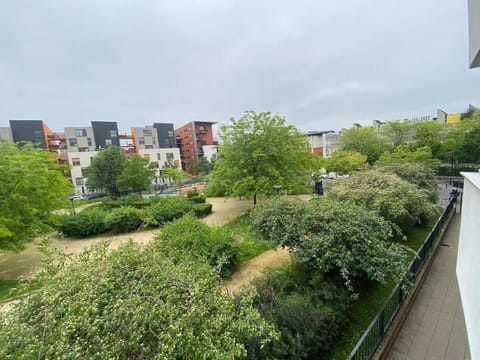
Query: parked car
[95, 195]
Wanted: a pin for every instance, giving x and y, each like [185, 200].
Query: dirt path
[15, 265]
[254, 268]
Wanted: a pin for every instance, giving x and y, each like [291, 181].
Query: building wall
[474, 32]
[79, 139]
[79, 162]
[105, 134]
[468, 264]
[187, 149]
[29, 130]
[166, 135]
[331, 144]
[210, 152]
[144, 137]
[454, 118]
[6, 134]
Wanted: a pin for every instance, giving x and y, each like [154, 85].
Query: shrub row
[96, 220]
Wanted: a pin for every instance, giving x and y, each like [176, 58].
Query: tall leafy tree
[105, 169]
[364, 140]
[431, 134]
[136, 175]
[258, 152]
[344, 162]
[31, 186]
[398, 132]
[404, 154]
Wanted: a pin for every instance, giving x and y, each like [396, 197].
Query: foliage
[124, 219]
[421, 175]
[364, 140]
[105, 169]
[344, 162]
[170, 171]
[87, 223]
[201, 167]
[405, 154]
[431, 134]
[132, 303]
[215, 189]
[396, 200]
[31, 186]
[308, 312]
[137, 174]
[398, 132]
[189, 237]
[259, 151]
[327, 236]
[6, 288]
[168, 209]
[202, 210]
[129, 200]
[196, 197]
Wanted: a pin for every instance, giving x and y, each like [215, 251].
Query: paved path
[435, 327]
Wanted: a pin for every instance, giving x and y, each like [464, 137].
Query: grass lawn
[248, 245]
[362, 311]
[5, 288]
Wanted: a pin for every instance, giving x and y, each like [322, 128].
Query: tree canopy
[105, 169]
[258, 152]
[31, 186]
[136, 175]
[328, 236]
[364, 140]
[398, 132]
[344, 162]
[405, 154]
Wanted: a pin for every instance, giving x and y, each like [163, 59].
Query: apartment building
[30, 130]
[192, 138]
[322, 143]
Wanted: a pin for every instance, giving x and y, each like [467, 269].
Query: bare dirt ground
[254, 268]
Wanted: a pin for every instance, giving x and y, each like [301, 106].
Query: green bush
[307, 311]
[129, 200]
[131, 303]
[190, 237]
[196, 197]
[202, 210]
[168, 209]
[124, 219]
[89, 222]
[214, 190]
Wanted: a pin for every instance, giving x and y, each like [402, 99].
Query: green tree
[202, 167]
[136, 175]
[259, 151]
[105, 169]
[344, 162]
[364, 140]
[328, 236]
[431, 134]
[396, 200]
[172, 172]
[132, 303]
[398, 132]
[405, 154]
[31, 186]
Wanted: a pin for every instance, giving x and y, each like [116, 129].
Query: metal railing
[372, 337]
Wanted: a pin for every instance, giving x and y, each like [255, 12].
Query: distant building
[30, 130]
[105, 134]
[6, 134]
[474, 32]
[322, 143]
[191, 139]
[166, 135]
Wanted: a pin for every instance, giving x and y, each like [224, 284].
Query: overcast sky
[322, 64]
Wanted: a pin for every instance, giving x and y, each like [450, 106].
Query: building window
[147, 132]
[153, 141]
[72, 141]
[148, 146]
[113, 133]
[170, 133]
[169, 156]
[166, 141]
[159, 157]
[82, 149]
[108, 142]
[80, 132]
[89, 141]
[76, 161]
[85, 172]
[141, 140]
[146, 157]
[79, 181]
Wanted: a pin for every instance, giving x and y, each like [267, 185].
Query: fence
[371, 338]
